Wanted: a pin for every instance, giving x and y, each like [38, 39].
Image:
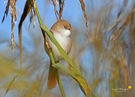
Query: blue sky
[72, 12]
[47, 15]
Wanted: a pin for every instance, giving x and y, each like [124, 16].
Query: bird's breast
[65, 43]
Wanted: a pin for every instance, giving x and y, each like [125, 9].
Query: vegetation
[101, 62]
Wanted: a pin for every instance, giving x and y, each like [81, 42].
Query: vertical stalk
[49, 51]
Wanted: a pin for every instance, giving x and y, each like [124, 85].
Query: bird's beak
[70, 29]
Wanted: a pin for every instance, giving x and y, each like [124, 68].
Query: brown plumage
[61, 31]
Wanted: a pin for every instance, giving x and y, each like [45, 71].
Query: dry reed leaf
[10, 84]
[13, 19]
[61, 7]
[55, 9]
[12, 5]
[6, 11]
[125, 2]
[84, 12]
[120, 16]
[26, 10]
[117, 33]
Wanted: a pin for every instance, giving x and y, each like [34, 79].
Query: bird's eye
[66, 27]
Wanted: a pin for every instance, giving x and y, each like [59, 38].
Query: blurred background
[105, 54]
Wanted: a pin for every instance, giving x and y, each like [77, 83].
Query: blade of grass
[78, 76]
[49, 52]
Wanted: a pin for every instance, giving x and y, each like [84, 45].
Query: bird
[61, 30]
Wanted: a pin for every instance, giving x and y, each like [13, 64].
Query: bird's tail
[52, 77]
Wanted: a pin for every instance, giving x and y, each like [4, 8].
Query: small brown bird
[61, 31]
